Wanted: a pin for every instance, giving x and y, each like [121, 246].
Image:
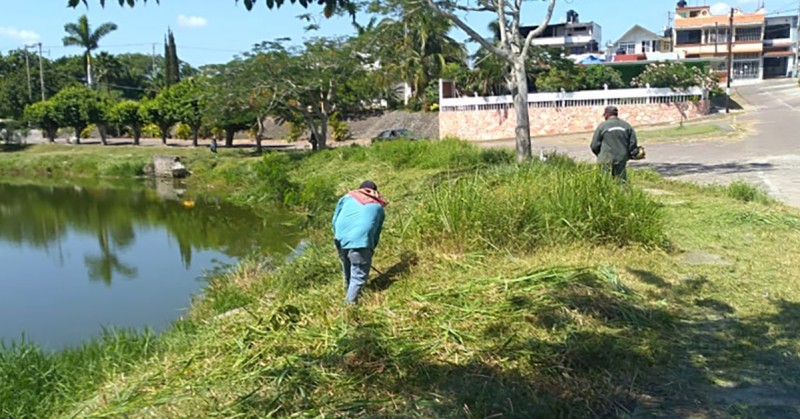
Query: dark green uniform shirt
[614, 141]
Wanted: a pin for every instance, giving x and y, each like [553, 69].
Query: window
[747, 34]
[718, 36]
[628, 47]
[647, 46]
[778, 32]
[689, 37]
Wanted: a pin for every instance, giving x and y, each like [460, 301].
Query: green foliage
[183, 131]
[151, 131]
[44, 116]
[746, 192]
[273, 176]
[522, 207]
[296, 131]
[571, 77]
[341, 131]
[161, 111]
[88, 131]
[676, 76]
[33, 382]
[78, 107]
[189, 103]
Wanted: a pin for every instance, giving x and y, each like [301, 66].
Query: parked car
[395, 134]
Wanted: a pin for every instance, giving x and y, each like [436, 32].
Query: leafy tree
[414, 46]
[172, 64]
[81, 34]
[190, 102]
[312, 83]
[14, 94]
[78, 107]
[45, 116]
[229, 105]
[512, 48]
[130, 114]
[161, 111]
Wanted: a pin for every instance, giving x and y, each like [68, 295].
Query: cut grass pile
[540, 290]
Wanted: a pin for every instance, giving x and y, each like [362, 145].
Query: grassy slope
[560, 328]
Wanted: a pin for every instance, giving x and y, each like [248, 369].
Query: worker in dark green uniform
[614, 143]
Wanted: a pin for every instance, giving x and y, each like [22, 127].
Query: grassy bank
[541, 290]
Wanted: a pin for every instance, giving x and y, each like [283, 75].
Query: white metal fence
[585, 98]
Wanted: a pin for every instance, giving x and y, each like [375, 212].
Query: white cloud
[22, 36]
[192, 21]
[720, 8]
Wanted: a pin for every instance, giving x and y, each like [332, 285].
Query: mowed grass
[541, 290]
[680, 133]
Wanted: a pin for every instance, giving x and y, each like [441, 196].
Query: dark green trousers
[618, 171]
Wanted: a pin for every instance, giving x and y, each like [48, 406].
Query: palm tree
[81, 34]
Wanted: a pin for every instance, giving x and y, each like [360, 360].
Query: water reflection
[58, 243]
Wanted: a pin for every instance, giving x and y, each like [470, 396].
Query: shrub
[676, 76]
[339, 129]
[746, 192]
[183, 131]
[89, 131]
[296, 131]
[273, 175]
[151, 131]
[521, 207]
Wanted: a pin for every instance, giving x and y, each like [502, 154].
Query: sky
[213, 31]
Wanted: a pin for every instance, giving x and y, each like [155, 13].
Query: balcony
[563, 40]
[721, 48]
[785, 42]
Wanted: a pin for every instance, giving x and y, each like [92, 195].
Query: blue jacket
[358, 220]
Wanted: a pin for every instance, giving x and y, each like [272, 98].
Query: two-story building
[700, 34]
[762, 46]
[638, 44]
[573, 36]
[780, 41]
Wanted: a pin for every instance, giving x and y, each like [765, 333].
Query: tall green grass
[35, 383]
[746, 192]
[553, 202]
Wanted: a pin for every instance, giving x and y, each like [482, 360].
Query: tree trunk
[229, 133]
[259, 135]
[89, 80]
[164, 132]
[137, 134]
[51, 134]
[195, 135]
[103, 134]
[519, 90]
[78, 131]
[322, 138]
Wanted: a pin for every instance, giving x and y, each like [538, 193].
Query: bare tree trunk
[229, 134]
[519, 90]
[164, 133]
[322, 138]
[101, 128]
[51, 135]
[78, 131]
[195, 135]
[259, 135]
[137, 134]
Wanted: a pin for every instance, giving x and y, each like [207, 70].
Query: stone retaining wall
[498, 124]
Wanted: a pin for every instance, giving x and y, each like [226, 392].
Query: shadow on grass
[11, 148]
[607, 353]
[388, 277]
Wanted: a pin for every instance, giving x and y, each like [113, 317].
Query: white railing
[575, 99]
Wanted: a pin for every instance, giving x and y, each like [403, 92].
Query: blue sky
[212, 31]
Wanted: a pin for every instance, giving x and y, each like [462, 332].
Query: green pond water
[75, 260]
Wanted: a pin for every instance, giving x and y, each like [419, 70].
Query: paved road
[768, 156]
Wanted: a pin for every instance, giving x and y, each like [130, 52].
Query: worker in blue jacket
[357, 224]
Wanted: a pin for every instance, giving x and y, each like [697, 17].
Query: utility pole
[153, 69]
[41, 71]
[730, 65]
[28, 71]
[797, 43]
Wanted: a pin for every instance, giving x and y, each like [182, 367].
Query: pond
[75, 260]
